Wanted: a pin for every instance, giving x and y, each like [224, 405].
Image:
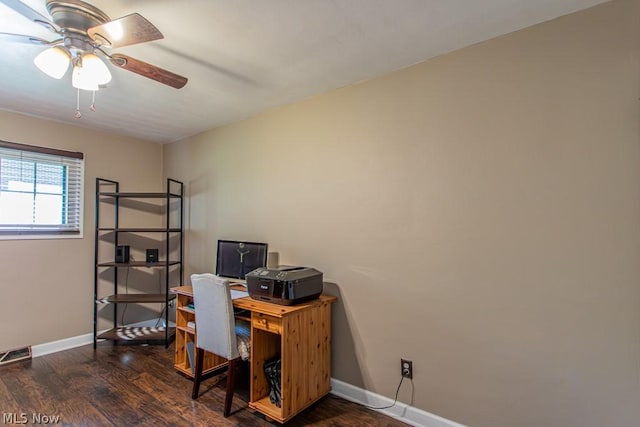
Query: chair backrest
[215, 323]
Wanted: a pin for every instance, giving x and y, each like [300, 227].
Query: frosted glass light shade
[80, 79]
[97, 71]
[53, 62]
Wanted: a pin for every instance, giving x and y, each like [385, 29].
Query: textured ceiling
[246, 56]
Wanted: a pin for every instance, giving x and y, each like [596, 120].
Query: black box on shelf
[152, 256]
[122, 253]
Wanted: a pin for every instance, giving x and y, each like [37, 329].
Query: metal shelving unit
[108, 196]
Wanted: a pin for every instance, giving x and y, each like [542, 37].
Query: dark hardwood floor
[137, 385]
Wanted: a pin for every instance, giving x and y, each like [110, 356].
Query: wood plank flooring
[137, 385]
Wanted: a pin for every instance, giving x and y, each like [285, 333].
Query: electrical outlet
[406, 368]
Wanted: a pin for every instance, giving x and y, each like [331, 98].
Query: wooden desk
[300, 335]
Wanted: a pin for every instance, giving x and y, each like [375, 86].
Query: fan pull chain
[93, 101]
[78, 114]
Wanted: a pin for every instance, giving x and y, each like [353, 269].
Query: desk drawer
[267, 323]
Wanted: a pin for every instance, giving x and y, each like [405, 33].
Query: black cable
[126, 292]
[164, 306]
[394, 400]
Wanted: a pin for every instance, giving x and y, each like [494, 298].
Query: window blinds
[40, 190]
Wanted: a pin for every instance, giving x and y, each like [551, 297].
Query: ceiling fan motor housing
[74, 17]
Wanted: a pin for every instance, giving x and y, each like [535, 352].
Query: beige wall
[47, 285]
[478, 213]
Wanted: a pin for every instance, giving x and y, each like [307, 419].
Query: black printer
[284, 285]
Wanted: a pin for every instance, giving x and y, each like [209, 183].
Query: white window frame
[74, 161]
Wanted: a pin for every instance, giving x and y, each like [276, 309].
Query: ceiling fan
[84, 33]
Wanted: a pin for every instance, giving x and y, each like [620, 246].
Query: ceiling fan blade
[125, 31]
[21, 38]
[147, 70]
[31, 14]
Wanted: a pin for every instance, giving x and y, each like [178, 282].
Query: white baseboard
[400, 411]
[80, 340]
[61, 345]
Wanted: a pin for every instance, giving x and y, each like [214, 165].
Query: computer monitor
[235, 258]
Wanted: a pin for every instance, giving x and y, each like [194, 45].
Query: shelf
[186, 369]
[137, 334]
[243, 317]
[140, 230]
[136, 298]
[265, 406]
[140, 195]
[187, 330]
[138, 264]
[187, 310]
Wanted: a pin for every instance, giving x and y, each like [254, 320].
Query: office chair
[217, 330]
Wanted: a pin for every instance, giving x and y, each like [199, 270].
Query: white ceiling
[246, 56]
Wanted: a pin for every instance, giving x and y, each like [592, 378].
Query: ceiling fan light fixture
[83, 31]
[95, 69]
[54, 61]
[80, 79]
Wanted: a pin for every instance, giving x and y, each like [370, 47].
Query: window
[40, 191]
